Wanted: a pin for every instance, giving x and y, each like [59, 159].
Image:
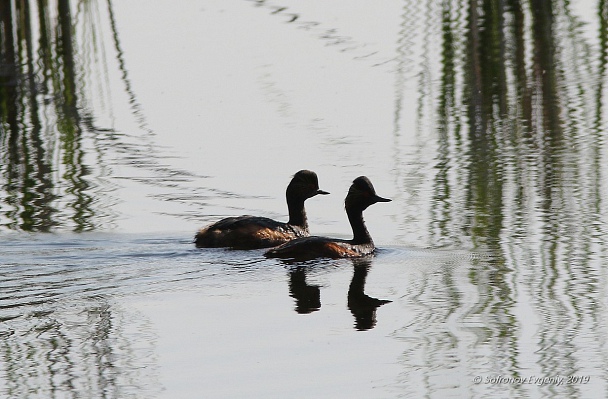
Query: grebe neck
[297, 214]
[360, 233]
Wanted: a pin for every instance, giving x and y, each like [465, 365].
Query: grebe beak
[380, 199]
[321, 192]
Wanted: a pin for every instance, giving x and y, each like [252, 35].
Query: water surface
[124, 127]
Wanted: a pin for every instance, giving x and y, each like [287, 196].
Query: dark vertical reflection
[516, 31]
[545, 68]
[44, 175]
[308, 297]
[519, 128]
[69, 124]
[441, 204]
[362, 306]
[602, 58]
[487, 90]
[10, 106]
[485, 79]
[37, 188]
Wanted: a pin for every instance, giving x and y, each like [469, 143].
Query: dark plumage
[249, 232]
[360, 195]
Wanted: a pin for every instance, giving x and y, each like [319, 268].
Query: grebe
[250, 232]
[360, 195]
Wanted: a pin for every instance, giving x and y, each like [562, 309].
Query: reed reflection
[509, 113]
[76, 350]
[520, 133]
[48, 131]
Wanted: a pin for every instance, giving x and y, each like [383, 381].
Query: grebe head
[304, 185]
[362, 194]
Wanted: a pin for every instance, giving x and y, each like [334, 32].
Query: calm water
[125, 126]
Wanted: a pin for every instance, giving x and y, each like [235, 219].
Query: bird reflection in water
[362, 306]
[308, 297]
